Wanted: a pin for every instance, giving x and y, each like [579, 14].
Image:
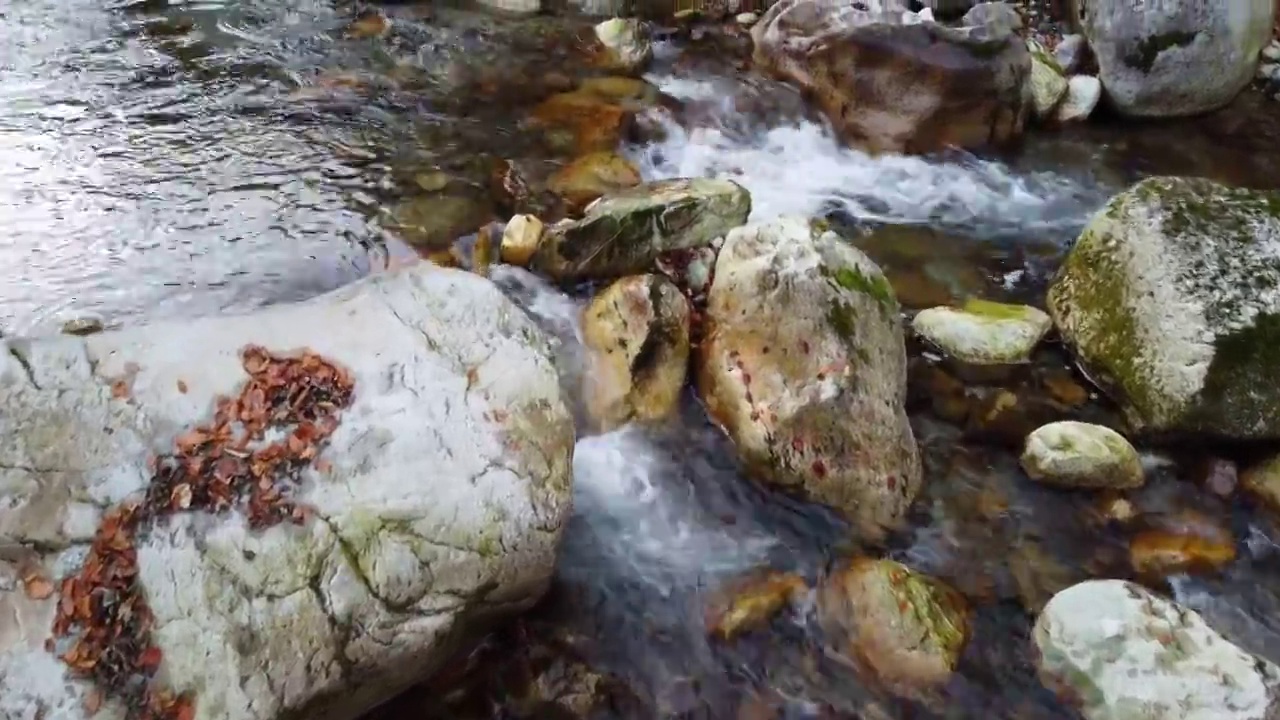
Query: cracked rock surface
[438, 508]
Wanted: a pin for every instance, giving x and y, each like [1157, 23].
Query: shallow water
[217, 156]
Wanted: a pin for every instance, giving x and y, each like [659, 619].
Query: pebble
[747, 19]
[1272, 51]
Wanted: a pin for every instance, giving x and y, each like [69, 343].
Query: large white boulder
[1169, 59]
[1123, 653]
[435, 508]
[1171, 300]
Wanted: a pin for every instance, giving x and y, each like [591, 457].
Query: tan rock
[520, 240]
[592, 175]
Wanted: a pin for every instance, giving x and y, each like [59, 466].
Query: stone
[1122, 652]
[587, 122]
[368, 24]
[1070, 52]
[83, 325]
[436, 508]
[1272, 51]
[434, 222]
[894, 85]
[982, 332]
[803, 365]
[747, 19]
[1083, 94]
[1005, 418]
[626, 44]
[907, 628]
[590, 176]
[747, 603]
[1159, 553]
[624, 232]
[1048, 81]
[1176, 58]
[520, 240]
[1262, 481]
[522, 7]
[1082, 455]
[637, 332]
[1170, 300]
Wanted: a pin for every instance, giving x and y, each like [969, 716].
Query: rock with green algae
[625, 232]
[982, 332]
[803, 364]
[436, 508]
[907, 628]
[1170, 299]
[1047, 82]
[1082, 455]
[1122, 652]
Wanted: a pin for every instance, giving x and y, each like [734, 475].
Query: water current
[181, 159]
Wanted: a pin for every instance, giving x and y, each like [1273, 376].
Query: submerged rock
[984, 332]
[803, 365]
[435, 509]
[582, 122]
[889, 84]
[637, 330]
[1080, 455]
[747, 603]
[1175, 58]
[1170, 299]
[590, 176]
[432, 222]
[625, 232]
[907, 628]
[1121, 652]
[1262, 481]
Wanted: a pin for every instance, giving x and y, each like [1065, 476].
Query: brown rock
[891, 87]
[592, 175]
[750, 602]
[1187, 541]
[591, 124]
[1262, 481]
[1063, 388]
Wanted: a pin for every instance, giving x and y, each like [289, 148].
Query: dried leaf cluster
[102, 611]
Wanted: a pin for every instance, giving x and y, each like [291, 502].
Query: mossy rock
[1170, 299]
[803, 364]
[625, 232]
[984, 332]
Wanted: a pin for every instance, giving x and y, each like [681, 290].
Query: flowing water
[189, 158]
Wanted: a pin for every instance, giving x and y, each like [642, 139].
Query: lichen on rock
[1170, 299]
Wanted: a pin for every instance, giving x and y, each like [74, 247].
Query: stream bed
[183, 159]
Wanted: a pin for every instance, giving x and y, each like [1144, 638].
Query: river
[175, 159]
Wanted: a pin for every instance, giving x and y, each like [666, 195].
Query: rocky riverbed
[982, 429]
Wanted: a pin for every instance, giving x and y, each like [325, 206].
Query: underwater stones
[1082, 455]
[1122, 652]
[637, 331]
[432, 222]
[804, 367]
[747, 603]
[1170, 300]
[588, 177]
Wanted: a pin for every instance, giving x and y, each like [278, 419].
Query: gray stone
[1083, 94]
[437, 507]
[1124, 653]
[1081, 455]
[1170, 299]
[1172, 59]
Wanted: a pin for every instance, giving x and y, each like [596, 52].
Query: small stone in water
[750, 603]
[1158, 553]
[1082, 455]
[520, 240]
[83, 325]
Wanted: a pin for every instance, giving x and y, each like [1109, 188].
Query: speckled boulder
[907, 628]
[804, 366]
[437, 507]
[625, 232]
[1122, 652]
[1170, 299]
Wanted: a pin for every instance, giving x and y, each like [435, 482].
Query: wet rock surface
[1076, 454]
[387, 569]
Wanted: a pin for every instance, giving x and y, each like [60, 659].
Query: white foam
[798, 167]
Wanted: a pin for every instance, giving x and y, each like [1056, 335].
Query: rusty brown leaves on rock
[102, 612]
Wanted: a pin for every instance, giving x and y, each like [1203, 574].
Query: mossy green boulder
[625, 232]
[906, 628]
[1171, 301]
[804, 366]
